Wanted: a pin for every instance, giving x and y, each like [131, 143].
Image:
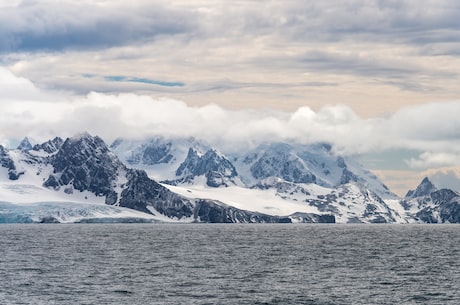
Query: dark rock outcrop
[50, 146]
[313, 218]
[86, 164]
[217, 169]
[445, 207]
[433, 205]
[25, 145]
[423, 189]
[142, 192]
[210, 211]
[8, 163]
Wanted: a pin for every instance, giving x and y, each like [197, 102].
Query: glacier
[70, 212]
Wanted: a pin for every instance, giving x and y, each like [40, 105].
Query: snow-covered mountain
[428, 204]
[186, 160]
[81, 179]
[273, 178]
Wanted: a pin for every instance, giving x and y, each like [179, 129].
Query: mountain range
[82, 179]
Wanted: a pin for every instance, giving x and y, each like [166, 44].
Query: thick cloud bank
[433, 129]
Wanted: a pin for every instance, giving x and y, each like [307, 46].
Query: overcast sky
[377, 78]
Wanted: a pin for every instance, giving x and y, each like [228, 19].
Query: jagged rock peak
[197, 164]
[50, 146]
[213, 165]
[83, 146]
[25, 145]
[85, 163]
[423, 189]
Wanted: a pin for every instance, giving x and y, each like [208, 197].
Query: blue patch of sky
[120, 78]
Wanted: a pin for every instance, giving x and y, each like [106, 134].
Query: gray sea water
[229, 264]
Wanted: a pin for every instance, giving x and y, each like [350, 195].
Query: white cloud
[431, 128]
[448, 177]
[430, 160]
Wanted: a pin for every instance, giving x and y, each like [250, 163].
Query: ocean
[321, 264]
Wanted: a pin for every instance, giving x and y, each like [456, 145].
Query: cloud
[437, 160]
[55, 26]
[19, 89]
[403, 147]
[448, 177]
[378, 55]
[431, 128]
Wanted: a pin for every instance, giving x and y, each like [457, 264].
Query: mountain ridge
[274, 182]
[84, 164]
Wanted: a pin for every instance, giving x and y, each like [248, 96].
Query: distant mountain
[50, 146]
[217, 169]
[311, 177]
[55, 178]
[425, 188]
[428, 204]
[81, 179]
[25, 145]
[293, 163]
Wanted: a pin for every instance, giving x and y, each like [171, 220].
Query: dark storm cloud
[36, 26]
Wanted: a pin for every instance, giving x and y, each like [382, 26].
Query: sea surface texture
[229, 264]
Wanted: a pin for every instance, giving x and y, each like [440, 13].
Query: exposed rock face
[25, 145]
[50, 146]
[5, 159]
[443, 206]
[423, 189]
[282, 167]
[313, 218]
[215, 212]
[190, 161]
[431, 205]
[86, 164]
[8, 163]
[142, 192]
[210, 211]
[217, 169]
[334, 188]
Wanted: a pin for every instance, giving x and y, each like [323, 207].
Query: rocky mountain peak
[217, 169]
[50, 146]
[85, 163]
[425, 188]
[25, 145]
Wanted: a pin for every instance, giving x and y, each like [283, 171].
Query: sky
[378, 79]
